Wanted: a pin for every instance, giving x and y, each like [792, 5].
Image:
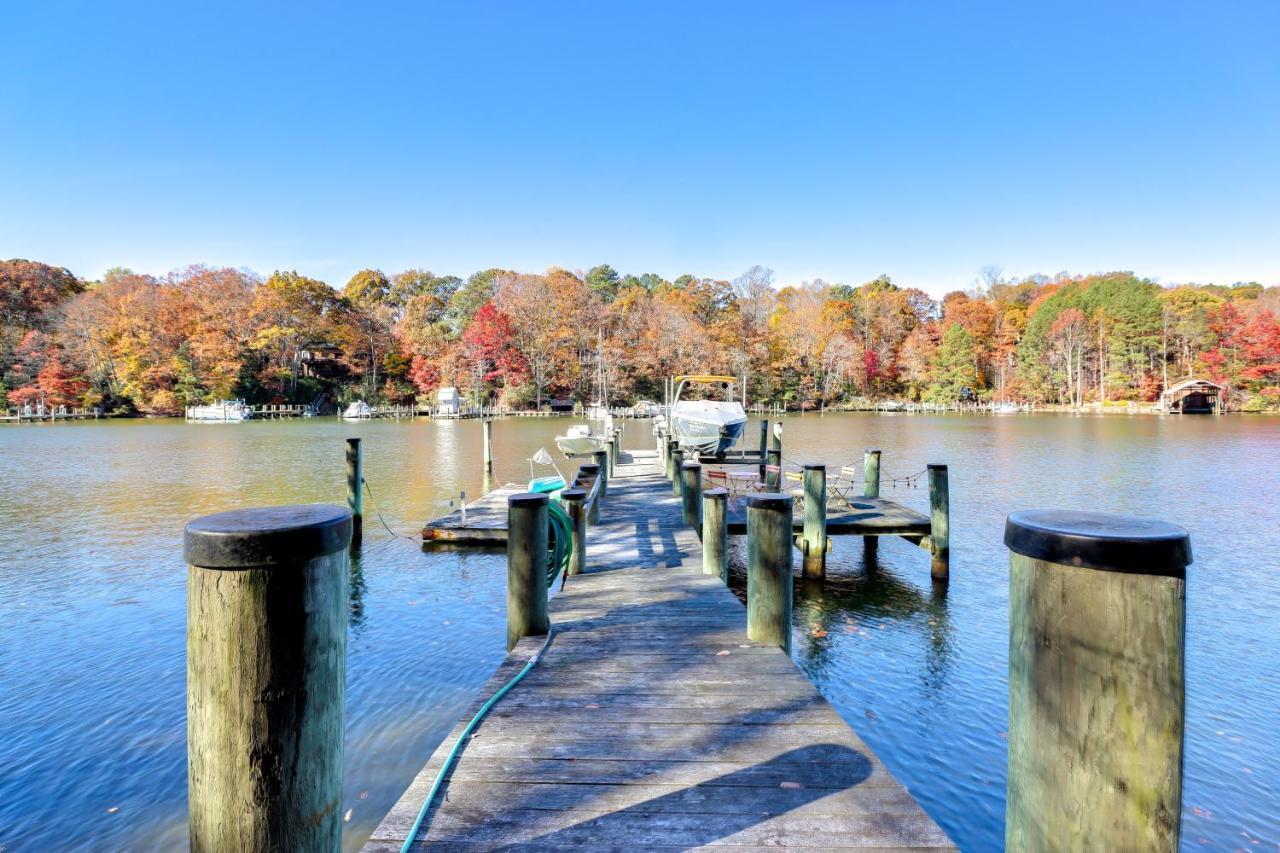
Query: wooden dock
[651, 722]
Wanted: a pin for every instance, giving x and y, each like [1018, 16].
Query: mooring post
[355, 494]
[940, 518]
[488, 445]
[691, 494]
[677, 463]
[266, 668]
[814, 542]
[764, 445]
[672, 447]
[715, 533]
[615, 450]
[871, 474]
[575, 506]
[526, 567]
[1097, 625]
[591, 471]
[769, 569]
[773, 472]
[602, 464]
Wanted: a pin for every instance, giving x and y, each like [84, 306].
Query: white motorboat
[223, 411]
[580, 441]
[1008, 409]
[701, 423]
[357, 411]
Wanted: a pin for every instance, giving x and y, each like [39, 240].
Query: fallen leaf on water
[722, 653]
[113, 810]
[347, 817]
[791, 786]
[1199, 812]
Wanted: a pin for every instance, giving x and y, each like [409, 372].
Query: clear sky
[842, 140]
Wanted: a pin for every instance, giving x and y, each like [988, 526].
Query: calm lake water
[92, 605]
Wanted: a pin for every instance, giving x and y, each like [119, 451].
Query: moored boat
[580, 441]
[357, 411]
[708, 426]
[223, 411]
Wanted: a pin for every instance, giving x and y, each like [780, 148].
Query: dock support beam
[355, 495]
[715, 533]
[602, 466]
[940, 519]
[677, 463]
[814, 542]
[266, 668]
[1096, 700]
[575, 507]
[769, 569]
[526, 567]
[691, 494]
[488, 445]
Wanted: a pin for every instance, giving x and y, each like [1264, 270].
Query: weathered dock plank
[482, 521]
[651, 723]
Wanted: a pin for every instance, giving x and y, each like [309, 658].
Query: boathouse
[1193, 397]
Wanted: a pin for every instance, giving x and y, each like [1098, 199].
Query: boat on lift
[359, 410]
[581, 441]
[223, 411]
[701, 423]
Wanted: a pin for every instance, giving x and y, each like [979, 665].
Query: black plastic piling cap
[589, 470]
[690, 464]
[769, 500]
[813, 466]
[573, 494]
[527, 499]
[266, 536]
[1099, 540]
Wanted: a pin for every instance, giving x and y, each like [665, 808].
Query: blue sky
[924, 140]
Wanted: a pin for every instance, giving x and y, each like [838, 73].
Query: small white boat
[1008, 409]
[580, 441]
[357, 411]
[223, 411]
[708, 426]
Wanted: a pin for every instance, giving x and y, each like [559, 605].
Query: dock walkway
[651, 722]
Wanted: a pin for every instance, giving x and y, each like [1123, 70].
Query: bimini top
[702, 377]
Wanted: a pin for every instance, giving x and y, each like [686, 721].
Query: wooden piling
[814, 542]
[488, 445]
[715, 533]
[602, 463]
[1097, 616]
[691, 494]
[591, 471]
[266, 668]
[870, 474]
[355, 492]
[574, 501]
[940, 519]
[764, 445]
[769, 569]
[672, 447]
[527, 567]
[677, 463]
[773, 478]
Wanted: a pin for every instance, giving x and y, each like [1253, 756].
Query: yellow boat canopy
[704, 378]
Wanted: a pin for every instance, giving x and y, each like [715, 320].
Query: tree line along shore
[130, 343]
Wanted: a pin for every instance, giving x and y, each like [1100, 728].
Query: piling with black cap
[814, 542]
[574, 501]
[1097, 616]
[769, 569]
[602, 466]
[355, 494]
[715, 533]
[677, 463]
[691, 494]
[939, 523]
[526, 567]
[266, 668]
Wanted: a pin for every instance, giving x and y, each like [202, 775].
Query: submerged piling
[1097, 622]
[526, 567]
[266, 669]
[769, 569]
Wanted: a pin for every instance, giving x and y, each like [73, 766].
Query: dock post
[691, 494]
[677, 463]
[773, 479]
[715, 533]
[602, 464]
[526, 567]
[940, 518]
[266, 667]
[574, 501]
[672, 447]
[769, 569]
[764, 445]
[814, 542]
[488, 445]
[591, 470]
[871, 474]
[1096, 700]
[615, 448]
[355, 495]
